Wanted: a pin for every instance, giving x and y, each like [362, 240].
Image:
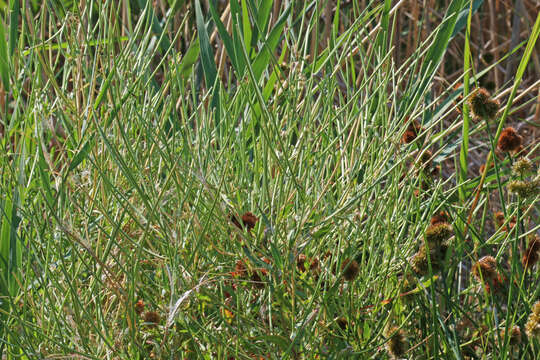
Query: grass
[137, 134]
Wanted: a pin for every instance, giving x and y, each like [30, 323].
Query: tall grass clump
[268, 179]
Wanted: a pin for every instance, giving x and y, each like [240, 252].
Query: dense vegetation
[253, 179]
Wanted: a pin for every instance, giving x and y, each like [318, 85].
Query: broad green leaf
[440, 44]
[263, 15]
[246, 27]
[13, 24]
[207, 54]
[263, 58]
[226, 38]
[189, 59]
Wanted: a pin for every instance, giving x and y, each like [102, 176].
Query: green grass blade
[82, 154]
[246, 26]
[263, 15]
[464, 150]
[164, 42]
[207, 54]
[190, 58]
[4, 58]
[227, 39]
[14, 10]
[440, 44]
[263, 58]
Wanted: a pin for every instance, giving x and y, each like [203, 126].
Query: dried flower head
[514, 335]
[532, 328]
[413, 129]
[522, 167]
[408, 137]
[342, 323]
[483, 167]
[441, 217]
[139, 307]
[482, 105]
[438, 233]
[240, 269]
[509, 140]
[408, 283]
[266, 261]
[426, 158]
[525, 189]
[397, 343]
[500, 220]
[300, 262]
[257, 280]
[248, 220]
[152, 318]
[420, 262]
[350, 269]
[536, 308]
[485, 269]
[314, 266]
[407, 286]
[532, 253]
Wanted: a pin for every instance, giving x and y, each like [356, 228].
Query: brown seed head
[525, 189]
[514, 335]
[420, 262]
[522, 167]
[239, 269]
[257, 281]
[152, 318]
[300, 262]
[413, 129]
[139, 307]
[532, 328]
[485, 269]
[350, 269]
[500, 220]
[532, 253]
[397, 343]
[314, 266]
[441, 217]
[408, 137]
[483, 167]
[482, 105]
[248, 220]
[509, 140]
[536, 308]
[426, 158]
[435, 234]
[342, 323]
